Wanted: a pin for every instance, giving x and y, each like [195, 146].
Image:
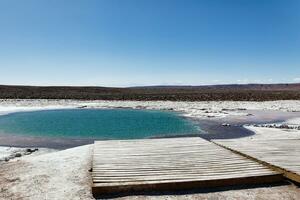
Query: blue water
[96, 123]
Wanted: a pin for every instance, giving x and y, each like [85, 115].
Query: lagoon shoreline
[217, 120]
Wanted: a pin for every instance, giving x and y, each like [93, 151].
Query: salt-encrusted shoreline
[191, 109]
[10, 153]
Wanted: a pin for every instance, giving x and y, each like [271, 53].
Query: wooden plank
[281, 155]
[100, 189]
[171, 164]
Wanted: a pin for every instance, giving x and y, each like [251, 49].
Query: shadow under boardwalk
[171, 164]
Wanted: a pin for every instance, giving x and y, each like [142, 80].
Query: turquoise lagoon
[97, 123]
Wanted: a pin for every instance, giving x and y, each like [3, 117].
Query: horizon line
[154, 85]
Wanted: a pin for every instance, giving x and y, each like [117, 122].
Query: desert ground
[27, 173]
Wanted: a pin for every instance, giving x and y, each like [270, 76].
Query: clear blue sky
[149, 42]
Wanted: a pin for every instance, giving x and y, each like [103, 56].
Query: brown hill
[253, 92]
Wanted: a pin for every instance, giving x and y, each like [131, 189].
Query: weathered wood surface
[171, 164]
[282, 155]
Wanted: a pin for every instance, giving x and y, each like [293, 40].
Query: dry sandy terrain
[64, 174]
[56, 175]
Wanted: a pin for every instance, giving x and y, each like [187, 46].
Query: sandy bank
[58, 175]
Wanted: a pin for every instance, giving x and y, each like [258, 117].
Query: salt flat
[190, 109]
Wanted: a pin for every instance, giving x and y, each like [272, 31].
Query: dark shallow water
[96, 124]
[213, 129]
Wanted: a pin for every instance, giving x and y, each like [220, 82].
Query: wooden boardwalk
[171, 164]
[282, 155]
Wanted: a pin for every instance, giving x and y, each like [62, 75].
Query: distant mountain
[289, 86]
[253, 92]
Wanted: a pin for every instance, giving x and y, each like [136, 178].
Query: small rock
[31, 150]
[18, 155]
[284, 126]
[225, 124]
